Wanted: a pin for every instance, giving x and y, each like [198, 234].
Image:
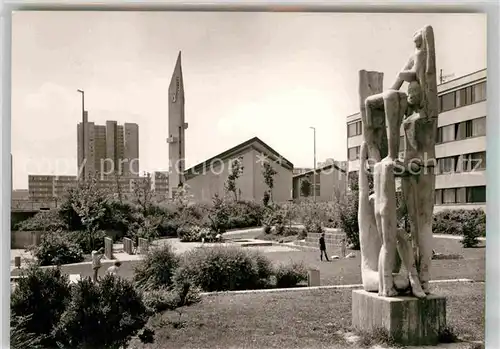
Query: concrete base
[408, 320]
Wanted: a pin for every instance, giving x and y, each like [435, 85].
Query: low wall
[23, 239]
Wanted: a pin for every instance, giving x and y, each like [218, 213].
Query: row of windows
[454, 132]
[462, 130]
[462, 163]
[451, 164]
[448, 101]
[476, 195]
[465, 96]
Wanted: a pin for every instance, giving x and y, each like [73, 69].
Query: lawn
[299, 319]
[347, 271]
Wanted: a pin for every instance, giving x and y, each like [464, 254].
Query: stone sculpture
[392, 261]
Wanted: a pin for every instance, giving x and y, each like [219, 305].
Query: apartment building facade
[460, 144]
[51, 187]
[108, 149]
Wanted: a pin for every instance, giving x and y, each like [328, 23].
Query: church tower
[176, 128]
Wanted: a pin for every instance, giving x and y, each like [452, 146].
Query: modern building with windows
[460, 143]
[109, 149]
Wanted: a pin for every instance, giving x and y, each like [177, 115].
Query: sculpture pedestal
[409, 320]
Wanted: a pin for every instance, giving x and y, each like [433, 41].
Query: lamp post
[314, 173]
[83, 134]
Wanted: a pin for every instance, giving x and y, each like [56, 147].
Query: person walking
[96, 262]
[322, 247]
[114, 269]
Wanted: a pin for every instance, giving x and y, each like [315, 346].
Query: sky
[270, 75]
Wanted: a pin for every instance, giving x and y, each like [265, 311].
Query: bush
[347, 207]
[157, 301]
[104, 315]
[37, 304]
[157, 268]
[290, 275]
[43, 221]
[87, 241]
[56, 249]
[470, 233]
[223, 269]
[19, 338]
[451, 221]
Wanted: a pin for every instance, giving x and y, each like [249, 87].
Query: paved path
[250, 233]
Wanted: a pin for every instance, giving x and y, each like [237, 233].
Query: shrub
[157, 301]
[104, 315]
[43, 221]
[347, 207]
[87, 241]
[222, 269]
[19, 338]
[187, 233]
[470, 233]
[37, 304]
[451, 221]
[56, 249]
[290, 275]
[157, 268]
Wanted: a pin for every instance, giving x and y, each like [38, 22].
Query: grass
[300, 319]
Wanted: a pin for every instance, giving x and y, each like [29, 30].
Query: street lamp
[314, 173]
[83, 133]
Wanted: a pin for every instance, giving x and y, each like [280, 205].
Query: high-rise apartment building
[460, 143]
[109, 149]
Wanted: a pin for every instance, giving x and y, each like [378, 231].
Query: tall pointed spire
[176, 128]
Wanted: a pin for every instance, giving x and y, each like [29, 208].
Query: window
[448, 133]
[448, 101]
[446, 165]
[459, 131]
[468, 95]
[460, 99]
[461, 196]
[449, 196]
[439, 196]
[479, 92]
[468, 128]
[476, 194]
[318, 190]
[354, 129]
[474, 161]
[439, 135]
[479, 127]
[353, 153]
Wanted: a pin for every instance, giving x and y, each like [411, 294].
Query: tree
[269, 172]
[305, 187]
[182, 196]
[347, 204]
[143, 192]
[235, 171]
[89, 203]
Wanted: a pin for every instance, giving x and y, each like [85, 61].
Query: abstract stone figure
[383, 245]
[420, 140]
